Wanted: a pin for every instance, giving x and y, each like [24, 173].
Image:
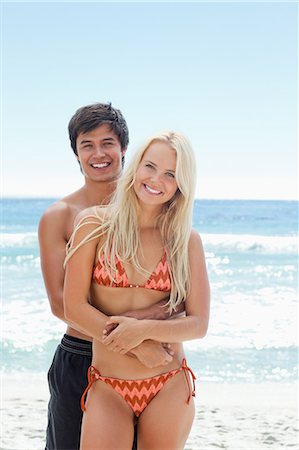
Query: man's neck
[97, 193]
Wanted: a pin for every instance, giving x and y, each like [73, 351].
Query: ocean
[251, 249]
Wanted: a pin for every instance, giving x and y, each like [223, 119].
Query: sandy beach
[229, 416]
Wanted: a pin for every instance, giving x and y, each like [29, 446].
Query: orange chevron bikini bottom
[139, 393]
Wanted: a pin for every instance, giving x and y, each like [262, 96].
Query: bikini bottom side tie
[139, 393]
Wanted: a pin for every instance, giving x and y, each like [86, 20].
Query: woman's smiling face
[155, 182]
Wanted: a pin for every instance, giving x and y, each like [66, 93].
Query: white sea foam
[9, 240]
[250, 243]
[29, 324]
[13, 262]
[229, 242]
[263, 319]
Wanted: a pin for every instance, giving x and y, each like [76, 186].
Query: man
[99, 138]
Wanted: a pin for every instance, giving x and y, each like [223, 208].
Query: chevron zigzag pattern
[138, 393]
[159, 279]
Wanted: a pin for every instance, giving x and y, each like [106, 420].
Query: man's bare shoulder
[69, 205]
[60, 209]
[61, 214]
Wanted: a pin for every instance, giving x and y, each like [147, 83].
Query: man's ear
[123, 151]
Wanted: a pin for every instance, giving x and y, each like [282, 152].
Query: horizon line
[46, 197]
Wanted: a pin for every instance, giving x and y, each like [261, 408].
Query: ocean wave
[12, 262]
[242, 243]
[24, 240]
[220, 364]
[235, 243]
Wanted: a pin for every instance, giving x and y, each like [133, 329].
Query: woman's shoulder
[89, 226]
[194, 237]
[91, 223]
[94, 215]
[195, 242]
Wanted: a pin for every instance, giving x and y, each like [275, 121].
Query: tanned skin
[97, 147]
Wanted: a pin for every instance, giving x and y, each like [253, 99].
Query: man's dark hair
[90, 117]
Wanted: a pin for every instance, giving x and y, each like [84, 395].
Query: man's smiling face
[100, 154]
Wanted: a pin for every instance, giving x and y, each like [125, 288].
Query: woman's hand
[129, 333]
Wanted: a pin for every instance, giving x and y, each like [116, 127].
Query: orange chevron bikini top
[159, 280]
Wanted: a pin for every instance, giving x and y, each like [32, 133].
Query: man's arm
[152, 353]
[52, 242]
[52, 235]
[158, 311]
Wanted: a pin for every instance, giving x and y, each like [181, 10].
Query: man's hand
[153, 354]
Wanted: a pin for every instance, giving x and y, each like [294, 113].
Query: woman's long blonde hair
[119, 228]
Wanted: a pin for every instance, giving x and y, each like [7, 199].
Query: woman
[140, 250]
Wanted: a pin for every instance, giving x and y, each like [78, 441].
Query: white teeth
[151, 190]
[99, 166]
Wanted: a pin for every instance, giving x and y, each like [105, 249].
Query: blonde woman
[131, 255]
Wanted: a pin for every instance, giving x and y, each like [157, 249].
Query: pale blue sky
[223, 73]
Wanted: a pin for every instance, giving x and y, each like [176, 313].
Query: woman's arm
[130, 332]
[81, 314]
[77, 281]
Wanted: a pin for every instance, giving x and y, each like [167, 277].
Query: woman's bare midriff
[117, 301]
